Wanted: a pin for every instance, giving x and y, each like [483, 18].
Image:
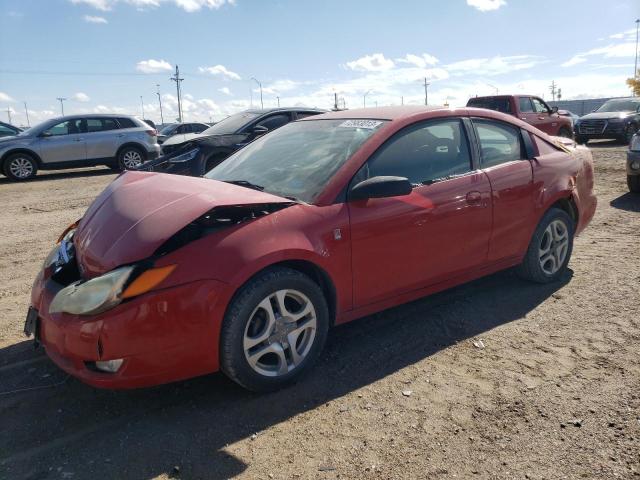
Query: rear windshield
[498, 104]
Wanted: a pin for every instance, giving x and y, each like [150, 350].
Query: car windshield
[297, 160]
[167, 129]
[621, 105]
[231, 124]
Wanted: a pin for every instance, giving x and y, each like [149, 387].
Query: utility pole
[402, 100]
[26, 112]
[260, 85]
[176, 78]
[364, 99]
[278, 97]
[559, 93]
[61, 100]
[9, 113]
[553, 90]
[160, 102]
[426, 91]
[142, 104]
[635, 67]
[335, 101]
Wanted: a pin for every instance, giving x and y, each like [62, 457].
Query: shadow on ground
[99, 434]
[629, 202]
[64, 175]
[606, 144]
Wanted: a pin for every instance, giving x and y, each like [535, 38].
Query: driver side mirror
[46, 135]
[554, 109]
[381, 187]
[260, 130]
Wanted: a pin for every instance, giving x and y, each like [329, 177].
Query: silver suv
[117, 141]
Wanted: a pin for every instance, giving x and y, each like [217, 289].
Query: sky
[104, 55]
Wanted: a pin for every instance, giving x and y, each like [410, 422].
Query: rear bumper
[163, 336]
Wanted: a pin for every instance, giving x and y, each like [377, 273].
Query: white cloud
[94, 19]
[186, 5]
[493, 66]
[280, 86]
[5, 97]
[220, 70]
[153, 66]
[421, 61]
[80, 97]
[615, 50]
[225, 90]
[371, 63]
[486, 5]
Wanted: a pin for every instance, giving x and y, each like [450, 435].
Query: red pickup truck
[531, 109]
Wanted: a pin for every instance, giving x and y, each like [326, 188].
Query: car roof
[94, 115]
[376, 113]
[262, 111]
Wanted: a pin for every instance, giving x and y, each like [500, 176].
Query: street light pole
[260, 85]
[160, 102]
[426, 91]
[142, 104]
[278, 101]
[493, 86]
[26, 112]
[61, 100]
[364, 99]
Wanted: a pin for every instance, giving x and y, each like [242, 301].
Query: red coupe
[323, 221]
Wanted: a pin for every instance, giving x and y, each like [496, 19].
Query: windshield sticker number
[368, 124]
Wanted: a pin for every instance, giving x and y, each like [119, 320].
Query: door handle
[524, 118]
[474, 198]
[540, 118]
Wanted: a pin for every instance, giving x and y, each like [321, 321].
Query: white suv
[117, 141]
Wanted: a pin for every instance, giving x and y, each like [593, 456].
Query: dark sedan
[195, 154]
[172, 129]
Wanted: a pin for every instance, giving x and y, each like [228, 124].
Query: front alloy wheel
[20, 167]
[554, 246]
[274, 329]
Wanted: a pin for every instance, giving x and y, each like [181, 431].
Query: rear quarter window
[126, 123]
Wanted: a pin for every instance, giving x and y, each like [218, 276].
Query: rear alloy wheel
[130, 158]
[550, 249]
[633, 182]
[20, 166]
[274, 330]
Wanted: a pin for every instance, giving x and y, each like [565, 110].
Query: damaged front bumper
[162, 336]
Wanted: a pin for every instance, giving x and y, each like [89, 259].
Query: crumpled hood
[604, 115]
[139, 211]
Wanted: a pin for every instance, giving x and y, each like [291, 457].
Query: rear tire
[20, 166]
[550, 249]
[633, 182]
[565, 132]
[274, 330]
[130, 157]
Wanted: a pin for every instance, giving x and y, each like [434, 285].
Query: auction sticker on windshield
[370, 124]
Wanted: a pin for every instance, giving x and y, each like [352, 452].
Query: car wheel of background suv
[274, 330]
[20, 166]
[130, 158]
[633, 182]
[550, 249]
[629, 132]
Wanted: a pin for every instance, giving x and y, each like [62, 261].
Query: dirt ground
[554, 393]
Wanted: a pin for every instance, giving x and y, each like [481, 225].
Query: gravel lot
[554, 393]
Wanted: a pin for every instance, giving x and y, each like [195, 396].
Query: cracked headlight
[93, 296]
[185, 157]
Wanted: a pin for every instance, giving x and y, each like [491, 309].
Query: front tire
[550, 249]
[20, 166]
[130, 158]
[274, 330]
[633, 182]
[629, 132]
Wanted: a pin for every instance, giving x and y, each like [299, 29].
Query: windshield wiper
[246, 184]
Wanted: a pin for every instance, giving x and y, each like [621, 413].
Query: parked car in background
[569, 114]
[617, 119]
[117, 141]
[194, 154]
[322, 221]
[530, 109]
[180, 128]
[8, 130]
[633, 164]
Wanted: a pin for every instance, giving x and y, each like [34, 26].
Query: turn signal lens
[148, 280]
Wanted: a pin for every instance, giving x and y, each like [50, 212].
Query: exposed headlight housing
[185, 157]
